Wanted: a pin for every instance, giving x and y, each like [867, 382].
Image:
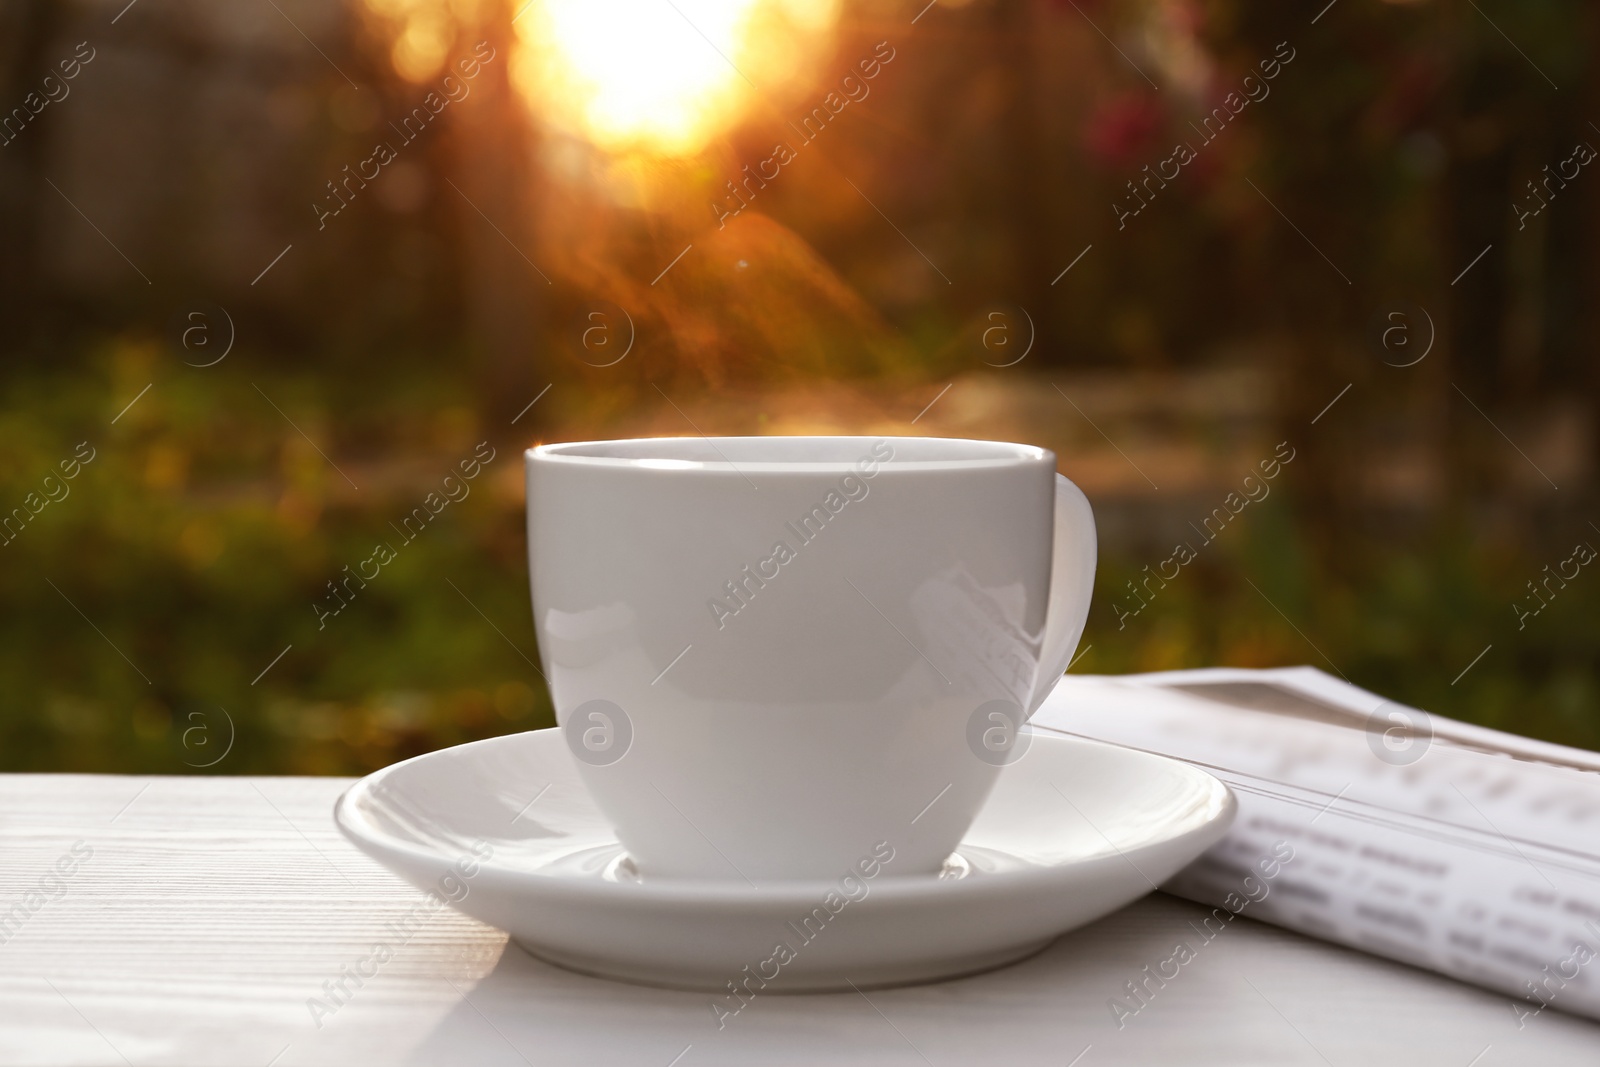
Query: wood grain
[212, 909]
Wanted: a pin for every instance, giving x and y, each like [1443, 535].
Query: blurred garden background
[241, 342]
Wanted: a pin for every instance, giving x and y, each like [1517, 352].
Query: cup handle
[1071, 584]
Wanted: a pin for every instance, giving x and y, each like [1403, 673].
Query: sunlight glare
[661, 76]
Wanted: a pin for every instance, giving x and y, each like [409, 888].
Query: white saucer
[1074, 829]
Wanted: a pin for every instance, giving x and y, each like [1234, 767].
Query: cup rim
[686, 454]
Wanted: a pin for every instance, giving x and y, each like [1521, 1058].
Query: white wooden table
[211, 910]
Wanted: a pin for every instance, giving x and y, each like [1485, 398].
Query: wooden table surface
[199, 917]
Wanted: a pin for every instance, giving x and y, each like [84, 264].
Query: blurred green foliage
[160, 615]
[146, 607]
[188, 554]
[1405, 621]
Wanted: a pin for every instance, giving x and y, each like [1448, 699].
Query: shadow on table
[528, 1011]
[1252, 994]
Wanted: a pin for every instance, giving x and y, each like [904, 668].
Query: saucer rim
[696, 893]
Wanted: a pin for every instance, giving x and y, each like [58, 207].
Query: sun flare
[663, 77]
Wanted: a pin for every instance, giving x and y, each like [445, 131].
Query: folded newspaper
[1451, 847]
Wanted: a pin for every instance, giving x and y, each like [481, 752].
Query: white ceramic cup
[778, 657]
